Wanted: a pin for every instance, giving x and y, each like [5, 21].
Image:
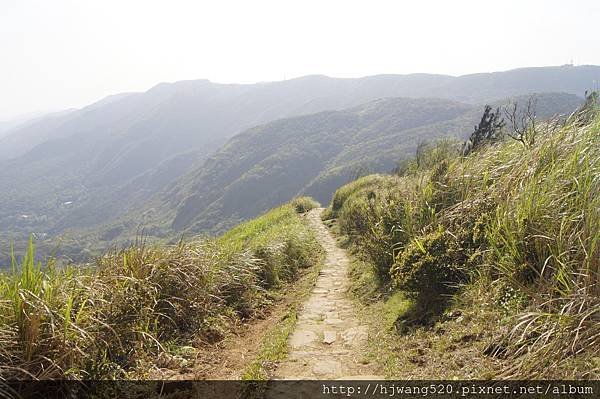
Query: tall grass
[304, 204]
[115, 319]
[545, 241]
[513, 216]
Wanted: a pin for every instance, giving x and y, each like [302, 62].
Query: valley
[196, 157]
[425, 271]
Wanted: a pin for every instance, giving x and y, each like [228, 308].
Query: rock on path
[329, 341]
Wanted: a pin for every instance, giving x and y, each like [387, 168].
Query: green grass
[345, 192]
[508, 235]
[280, 239]
[304, 204]
[140, 304]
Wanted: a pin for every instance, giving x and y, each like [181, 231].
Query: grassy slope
[257, 170]
[484, 266]
[148, 306]
[315, 154]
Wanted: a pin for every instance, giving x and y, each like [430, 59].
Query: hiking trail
[329, 341]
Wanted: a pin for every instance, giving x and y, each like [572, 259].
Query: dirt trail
[329, 341]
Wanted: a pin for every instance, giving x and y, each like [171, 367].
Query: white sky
[56, 54]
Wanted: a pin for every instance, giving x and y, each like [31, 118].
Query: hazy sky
[57, 54]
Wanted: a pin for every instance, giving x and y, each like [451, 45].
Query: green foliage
[428, 155]
[431, 267]
[279, 240]
[521, 224]
[383, 213]
[374, 217]
[106, 322]
[487, 131]
[304, 204]
[348, 190]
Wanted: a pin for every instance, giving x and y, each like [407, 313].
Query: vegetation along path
[329, 341]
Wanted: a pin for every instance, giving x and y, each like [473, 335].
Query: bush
[304, 204]
[382, 217]
[431, 267]
[381, 214]
[279, 240]
[488, 130]
[345, 192]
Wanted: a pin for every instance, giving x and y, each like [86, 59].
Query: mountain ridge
[316, 154]
[114, 157]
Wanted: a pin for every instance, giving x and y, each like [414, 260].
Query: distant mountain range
[164, 155]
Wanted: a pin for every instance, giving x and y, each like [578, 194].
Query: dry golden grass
[141, 305]
[527, 219]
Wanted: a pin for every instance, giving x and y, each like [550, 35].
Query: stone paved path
[329, 340]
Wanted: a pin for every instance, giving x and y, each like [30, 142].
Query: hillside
[482, 87]
[89, 178]
[256, 170]
[100, 159]
[482, 266]
[95, 158]
[314, 154]
[149, 310]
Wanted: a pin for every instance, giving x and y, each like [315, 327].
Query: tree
[489, 129]
[522, 121]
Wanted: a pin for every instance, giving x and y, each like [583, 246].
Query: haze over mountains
[315, 154]
[165, 153]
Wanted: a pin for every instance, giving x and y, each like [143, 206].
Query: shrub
[345, 192]
[372, 219]
[304, 204]
[382, 218]
[431, 267]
